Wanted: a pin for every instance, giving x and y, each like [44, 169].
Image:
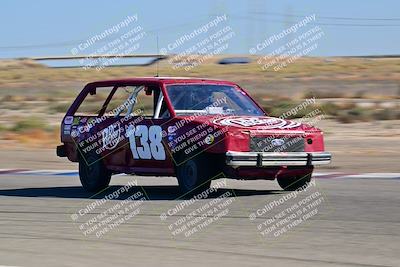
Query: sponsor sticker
[209, 139]
[76, 121]
[248, 122]
[111, 136]
[68, 120]
[171, 129]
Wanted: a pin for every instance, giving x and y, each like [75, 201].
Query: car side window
[140, 102]
[92, 104]
[145, 102]
[119, 101]
[116, 101]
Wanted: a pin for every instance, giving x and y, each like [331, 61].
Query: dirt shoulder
[363, 147]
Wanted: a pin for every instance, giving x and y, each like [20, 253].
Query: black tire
[295, 182]
[194, 175]
[93, 174]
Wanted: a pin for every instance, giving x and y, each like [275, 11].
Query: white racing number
[146, 150]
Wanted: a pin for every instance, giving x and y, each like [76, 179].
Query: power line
[319, 23]
[327, 17]
[47, 45]
[157, 30]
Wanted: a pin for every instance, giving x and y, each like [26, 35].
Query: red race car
[194, 129]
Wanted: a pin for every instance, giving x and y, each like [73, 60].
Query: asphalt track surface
[357, 224]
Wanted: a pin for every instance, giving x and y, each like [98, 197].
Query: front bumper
[265, 159]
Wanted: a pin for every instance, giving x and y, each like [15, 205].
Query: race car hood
[256, 124]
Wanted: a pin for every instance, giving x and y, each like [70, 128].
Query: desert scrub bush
[59, 107]
[90, 107]
[30, 123]
[276, 108]
[3, 128]
[330, 109]
[13, 98]
[362, 114]
[289, 109]
[354, 115]
[324, 94]
[386, 114]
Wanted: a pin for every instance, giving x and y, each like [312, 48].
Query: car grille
[277, 144]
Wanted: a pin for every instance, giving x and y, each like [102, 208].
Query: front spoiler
[265, 159]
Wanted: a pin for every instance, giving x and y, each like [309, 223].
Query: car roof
[159, 80]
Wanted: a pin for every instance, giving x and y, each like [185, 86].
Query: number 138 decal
[150, 140]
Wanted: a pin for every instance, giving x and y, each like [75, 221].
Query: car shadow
[150, 192]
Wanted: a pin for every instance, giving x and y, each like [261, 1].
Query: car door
[97, 126]
[147, 153]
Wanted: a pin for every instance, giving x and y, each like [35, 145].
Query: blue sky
[58, 26]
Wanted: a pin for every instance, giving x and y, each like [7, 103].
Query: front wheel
[295, 182]
[93, 174]
[194, 175]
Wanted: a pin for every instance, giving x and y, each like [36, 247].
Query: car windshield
[207, 99]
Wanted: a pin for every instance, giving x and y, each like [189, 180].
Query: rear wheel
[93, 174]
[194, 175]
[294, 182]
